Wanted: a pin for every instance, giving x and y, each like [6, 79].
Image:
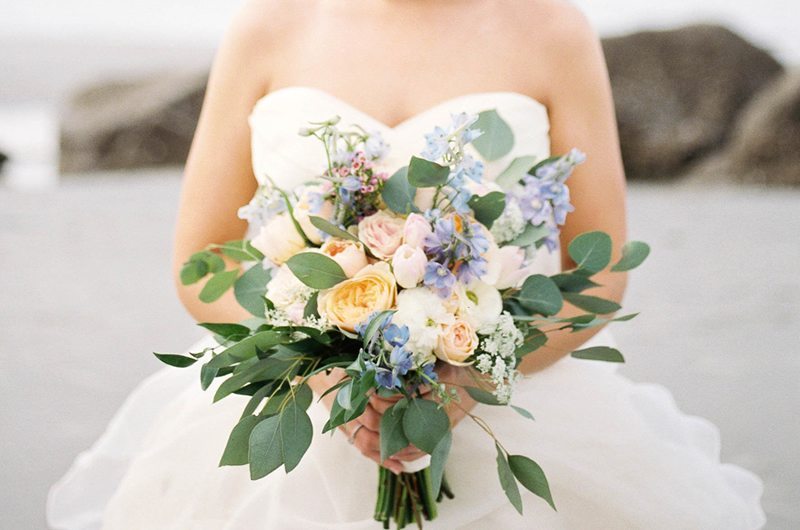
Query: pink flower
[408, 265]
[382, 232]
[415, 230]
[348, 254]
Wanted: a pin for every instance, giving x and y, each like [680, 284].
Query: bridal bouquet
[388, 277]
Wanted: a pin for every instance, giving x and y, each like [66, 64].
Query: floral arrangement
[389, 277]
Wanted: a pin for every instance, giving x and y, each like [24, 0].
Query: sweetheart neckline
[405, 122]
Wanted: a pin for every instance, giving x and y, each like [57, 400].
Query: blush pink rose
[415, 230]
[348, 254]
[382, 232]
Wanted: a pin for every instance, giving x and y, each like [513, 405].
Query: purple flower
[439, 278]
[401, 360]
[430, 371]
[471, 269]
[386, 378]
[536, 209]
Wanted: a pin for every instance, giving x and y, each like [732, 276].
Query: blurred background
[98, 101]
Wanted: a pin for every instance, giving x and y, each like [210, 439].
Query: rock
[678, 93]
[765, 143]
[131, 125]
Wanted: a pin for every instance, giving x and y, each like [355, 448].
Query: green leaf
[238, 250]
[227, 331]
[343, 396]
[507, 480]
[375, 324]
[517, 169]
[438, 461]
[217, 285]
[573, 283]
[531, 235]
[193, 271]
[311, 306]
[531, 476]
[318, 271]
[541, 295]
[250, 288]
[525, 413]
[591, 251]
[482, 396]
[173, 359]
[599, 353]
[398, 193]
[534, 339]
[331, 229]
[633, 254]
[255, 400]
[265, 453]
[303, 396]
[487, 208]
[497, 138]
[296, 434]
[392, 437]
[601, 306]
[426, 174]
[425, 424]
[238, 445]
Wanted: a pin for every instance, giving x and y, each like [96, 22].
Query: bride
[618, 455]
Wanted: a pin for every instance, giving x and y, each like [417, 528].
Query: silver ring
[352, 438]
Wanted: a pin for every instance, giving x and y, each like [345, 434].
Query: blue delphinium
[439, 278]
[348, 187]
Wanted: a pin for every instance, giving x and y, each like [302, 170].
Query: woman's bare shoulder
[554, 24]
[261, 23]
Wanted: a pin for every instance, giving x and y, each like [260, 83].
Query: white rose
[408, 265]
[288, 293]
[279, 240]
[424, 313]
[505, 266]
[480, 304]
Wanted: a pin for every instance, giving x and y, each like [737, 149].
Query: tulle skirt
[618, 455]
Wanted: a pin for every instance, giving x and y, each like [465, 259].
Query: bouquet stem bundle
[408, 497]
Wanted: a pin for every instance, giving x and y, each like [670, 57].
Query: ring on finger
[352, 438]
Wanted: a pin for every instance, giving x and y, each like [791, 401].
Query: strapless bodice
[290, 159]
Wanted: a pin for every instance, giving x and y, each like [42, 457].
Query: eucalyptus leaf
[296, 434]
[173, 359]
[599, 353]
[265, 453]
[217, 285]
[534, 339]
[515, 171]
[311, 306]
[423, 173]
[601, 306]
[541, 295]
[343, 396]
[331, 229]
[591, 251]
[238, 251]
[438, 461]
[255, 400]
[507, 480]
[392, 437]
[633, 254]
[318, 271]
[573, 283]
[482, 396]
[487, 208]
[250, 288]
[497, 139]
[227, 331]
[398, 193]
[193, 271]
[238, 446]
[523, 412]
[531, 235]
[530, 475]
[425, 424]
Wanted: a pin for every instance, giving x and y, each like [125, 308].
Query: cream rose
[457, 341]
[382, 232]
[505, 266]
[348, 254]
[415, 230]
[350, 302]
[408, 264]
[480, 304]
[279, 240]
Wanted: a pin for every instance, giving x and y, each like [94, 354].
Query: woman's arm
[218, 178]
[582, 115]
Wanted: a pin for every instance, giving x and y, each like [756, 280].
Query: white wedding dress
[619, 455]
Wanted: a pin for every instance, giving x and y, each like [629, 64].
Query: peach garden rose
[382, 232]
[350, 302]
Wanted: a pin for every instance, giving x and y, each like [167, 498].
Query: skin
[545, 49]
